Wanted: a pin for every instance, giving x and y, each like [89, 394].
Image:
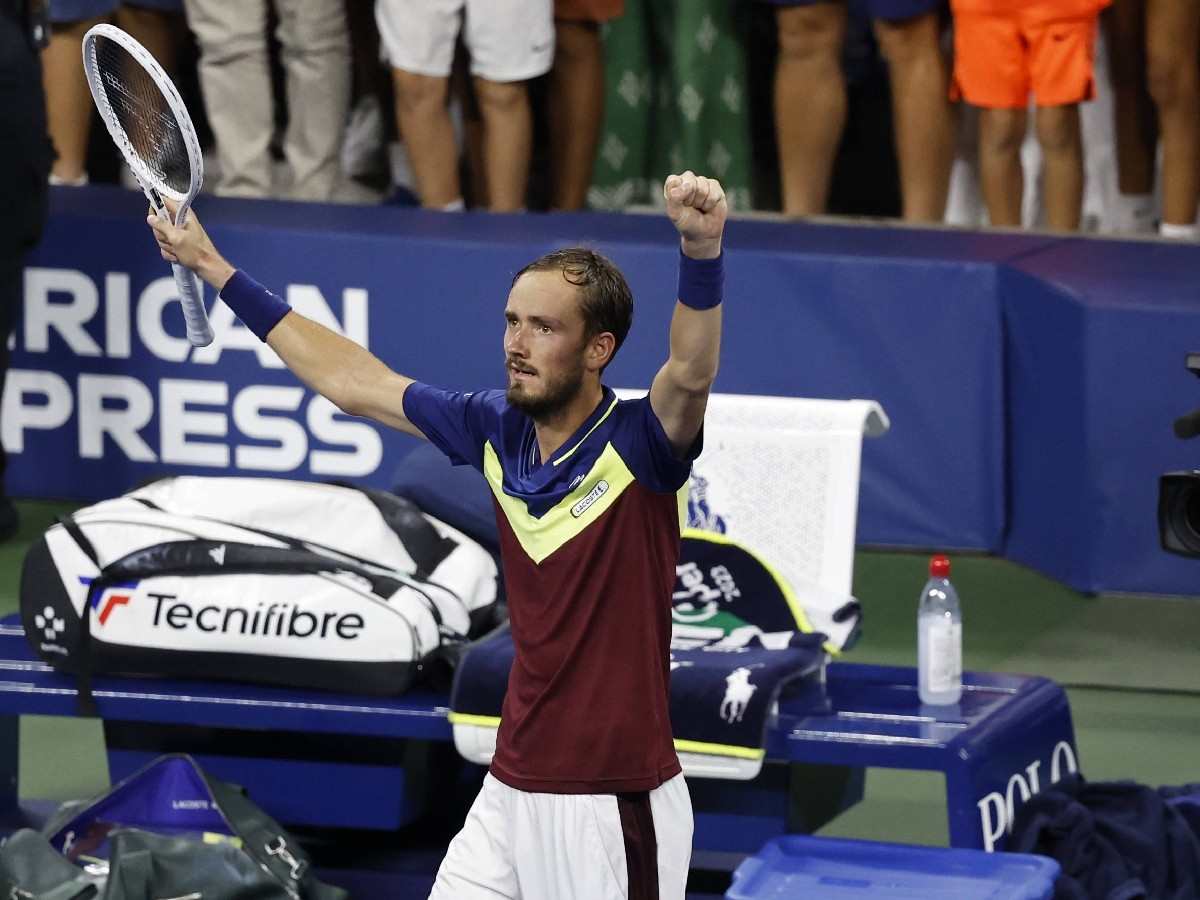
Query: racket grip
[199, 332]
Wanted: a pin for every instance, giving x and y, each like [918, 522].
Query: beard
[557, 394]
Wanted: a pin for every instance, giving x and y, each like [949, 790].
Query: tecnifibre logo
[284, 619]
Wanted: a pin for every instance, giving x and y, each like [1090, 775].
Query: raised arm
[351, 377]
[679, 395]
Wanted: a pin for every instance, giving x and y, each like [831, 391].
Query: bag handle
[266, 841]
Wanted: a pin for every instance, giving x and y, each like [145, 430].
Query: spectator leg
[68, 102]
[507, 141]
[154, 29]
[315, 42]
[1173, 76]
[427, 131]
[236, 84]
[921, 111]
[468, 126]
[810, 102]
[1133, 113]
[1061, 140]
[576, 111]
[1001, 132]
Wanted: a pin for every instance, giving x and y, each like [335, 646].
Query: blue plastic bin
[796, 867]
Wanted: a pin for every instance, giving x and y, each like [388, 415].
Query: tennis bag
[261, 580]
[169, 831]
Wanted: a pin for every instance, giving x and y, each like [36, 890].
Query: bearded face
[539, 395]
[545, 344]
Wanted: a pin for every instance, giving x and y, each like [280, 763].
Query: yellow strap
[720, 749]
[457, 718]
[680, 745]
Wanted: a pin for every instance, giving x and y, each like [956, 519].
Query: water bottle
[939, 638]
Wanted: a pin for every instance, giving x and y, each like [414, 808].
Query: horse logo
[738, 692]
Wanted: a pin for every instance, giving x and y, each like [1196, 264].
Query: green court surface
[1131, 666]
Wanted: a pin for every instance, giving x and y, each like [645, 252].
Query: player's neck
[553, 431]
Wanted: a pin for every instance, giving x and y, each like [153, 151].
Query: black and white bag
[255, 579]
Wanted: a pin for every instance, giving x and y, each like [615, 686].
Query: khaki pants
[237, 91]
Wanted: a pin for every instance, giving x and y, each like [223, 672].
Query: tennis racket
[152, 129]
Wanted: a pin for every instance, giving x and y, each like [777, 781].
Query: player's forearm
[696, 322]
[695, 348]
[323, 359]
[334, 366]
[214, 268]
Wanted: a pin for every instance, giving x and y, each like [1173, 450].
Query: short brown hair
[604, 296]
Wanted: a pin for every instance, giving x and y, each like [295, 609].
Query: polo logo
[592, 496]
[738, 692]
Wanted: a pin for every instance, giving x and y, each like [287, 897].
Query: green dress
[676, 99]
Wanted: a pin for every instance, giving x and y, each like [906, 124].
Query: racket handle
[199, 332]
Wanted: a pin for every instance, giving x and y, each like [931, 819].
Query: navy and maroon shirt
[589, 541]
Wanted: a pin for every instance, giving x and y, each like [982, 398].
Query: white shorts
[508, 40]
[517, 844]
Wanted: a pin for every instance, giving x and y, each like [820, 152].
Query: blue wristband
[257, 307]
[701, 281]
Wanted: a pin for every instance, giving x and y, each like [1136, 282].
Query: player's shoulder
[490, 399]
[630, 404]
[634, 408]
[632, 420]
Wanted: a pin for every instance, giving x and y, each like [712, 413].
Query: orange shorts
[588, 10]
[999, 60]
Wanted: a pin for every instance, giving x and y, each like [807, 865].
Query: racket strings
[152, 132]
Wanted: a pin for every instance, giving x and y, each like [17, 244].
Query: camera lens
[1185, 517]
[1190, 510]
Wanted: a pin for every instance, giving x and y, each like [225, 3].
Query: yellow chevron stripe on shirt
[539, 537]
[607, 413]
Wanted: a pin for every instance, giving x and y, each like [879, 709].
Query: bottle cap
[939, 567]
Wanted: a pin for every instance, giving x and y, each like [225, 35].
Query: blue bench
[318, 758]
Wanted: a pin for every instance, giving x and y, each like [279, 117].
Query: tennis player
[585, 796]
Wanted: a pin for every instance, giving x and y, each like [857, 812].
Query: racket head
[145, 116]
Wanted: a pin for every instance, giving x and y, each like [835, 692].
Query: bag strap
[427, 549]
[268, 844]
[85, 699]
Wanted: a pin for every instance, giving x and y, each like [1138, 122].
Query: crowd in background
[500, 104]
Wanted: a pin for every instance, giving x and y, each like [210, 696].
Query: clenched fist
[697, 208]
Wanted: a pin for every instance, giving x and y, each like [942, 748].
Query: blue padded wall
[1097, 332]
[905, 317]
[1031, 380]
